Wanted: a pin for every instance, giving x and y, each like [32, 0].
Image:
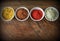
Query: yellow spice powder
[7, 13]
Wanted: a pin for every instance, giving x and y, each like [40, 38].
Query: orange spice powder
[22, 14]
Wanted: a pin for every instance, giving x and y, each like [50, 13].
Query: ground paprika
[37, 14]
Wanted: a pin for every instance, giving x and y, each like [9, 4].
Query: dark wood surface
[30, 30]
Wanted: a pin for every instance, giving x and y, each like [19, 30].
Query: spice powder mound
[37, 14]
[7, 13]
[22, 14]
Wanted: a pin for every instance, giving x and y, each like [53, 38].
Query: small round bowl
[57, 14]
[11, 17]
[22, 19]
[37, 8]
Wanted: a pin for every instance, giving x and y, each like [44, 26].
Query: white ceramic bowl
[26, 17]
[37, 8]
[57, 13]
[11, 17]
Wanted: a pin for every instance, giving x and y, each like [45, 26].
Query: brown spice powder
[22, 14]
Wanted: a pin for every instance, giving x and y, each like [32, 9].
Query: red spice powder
[37, 14]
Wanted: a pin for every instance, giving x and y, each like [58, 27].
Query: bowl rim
[37, 8]
[11, 17]
[55, 10]
[22, 8]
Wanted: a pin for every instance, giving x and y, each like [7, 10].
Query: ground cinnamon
[22, 14]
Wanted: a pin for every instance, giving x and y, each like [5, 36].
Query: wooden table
[30, 30]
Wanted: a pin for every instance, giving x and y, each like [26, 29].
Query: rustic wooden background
[30, 30]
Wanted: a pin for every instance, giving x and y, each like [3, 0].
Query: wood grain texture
[30, 30]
